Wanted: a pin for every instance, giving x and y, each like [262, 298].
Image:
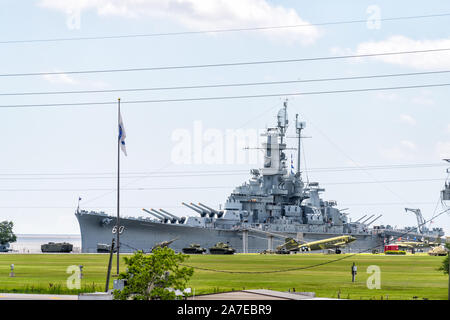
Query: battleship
[273, 205]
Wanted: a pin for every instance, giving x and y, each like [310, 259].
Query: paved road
[25, 296]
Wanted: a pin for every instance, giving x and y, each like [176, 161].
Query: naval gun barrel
[219, 214]
[368, 224]
[202, 212]
[367, 219]
[158, 216]
[172, 220]
[210, 213]
[361, 218]
[180, 220]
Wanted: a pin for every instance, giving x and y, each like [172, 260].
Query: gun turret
[361, 218]
[374, 220]
[219, 214]
[210, 213]
[202, 212]
[367, 219]
[156, 215]
[180, 220]
[169, 218]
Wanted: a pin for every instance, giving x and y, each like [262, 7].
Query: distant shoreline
[31, 243]
[44, 235]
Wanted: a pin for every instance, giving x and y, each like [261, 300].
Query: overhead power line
[215, 65]
[181, 174]
[214, 187]
[174, 207]
[371, 167]
[227, 84]
[229, 30]
[92, 103]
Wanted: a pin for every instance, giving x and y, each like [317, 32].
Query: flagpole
[118, 187]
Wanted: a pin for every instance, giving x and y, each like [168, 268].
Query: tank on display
[438, 251]
[194, 248]
[61, 247]
[104, 248]
[221, 248]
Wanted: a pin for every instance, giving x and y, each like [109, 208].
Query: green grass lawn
[402, 277]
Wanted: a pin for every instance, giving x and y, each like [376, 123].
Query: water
[31, 243]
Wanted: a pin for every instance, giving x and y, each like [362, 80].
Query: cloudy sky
[51, 155]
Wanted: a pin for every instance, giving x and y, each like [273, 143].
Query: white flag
[122, 135]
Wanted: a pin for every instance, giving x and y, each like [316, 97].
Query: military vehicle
[268, 251]
[290, 246]
[221, 248]
[275, 199]
[5, 247]
[57, 247]
[438, 251]
[419, 246]
[163, 244]
[194, 248]
[104, 248]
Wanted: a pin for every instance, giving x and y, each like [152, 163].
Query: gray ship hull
[143, 234]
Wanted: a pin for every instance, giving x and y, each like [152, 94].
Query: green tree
[6, 233]
[149, 276]
[444, 266]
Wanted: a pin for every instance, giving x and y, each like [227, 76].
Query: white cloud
[422, 101]
[394, 153]
[406, 118]
[341, 51]
[408, 144]
[200, 14]
[406, 150]
[443, 149]
[389, 96]
[416, 60]
[399, 43]
[424, 98]
[65, 79]
[59, 78]
[448, 128]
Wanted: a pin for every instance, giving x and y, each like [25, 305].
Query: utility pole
[111, 253]
[118, 187]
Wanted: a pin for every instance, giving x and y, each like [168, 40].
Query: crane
[420, 220]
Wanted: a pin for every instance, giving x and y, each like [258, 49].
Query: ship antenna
[78, 206]
[305, 166]
[299, 126]
[283, 120]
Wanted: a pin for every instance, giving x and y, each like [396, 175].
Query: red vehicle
[392, 247]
